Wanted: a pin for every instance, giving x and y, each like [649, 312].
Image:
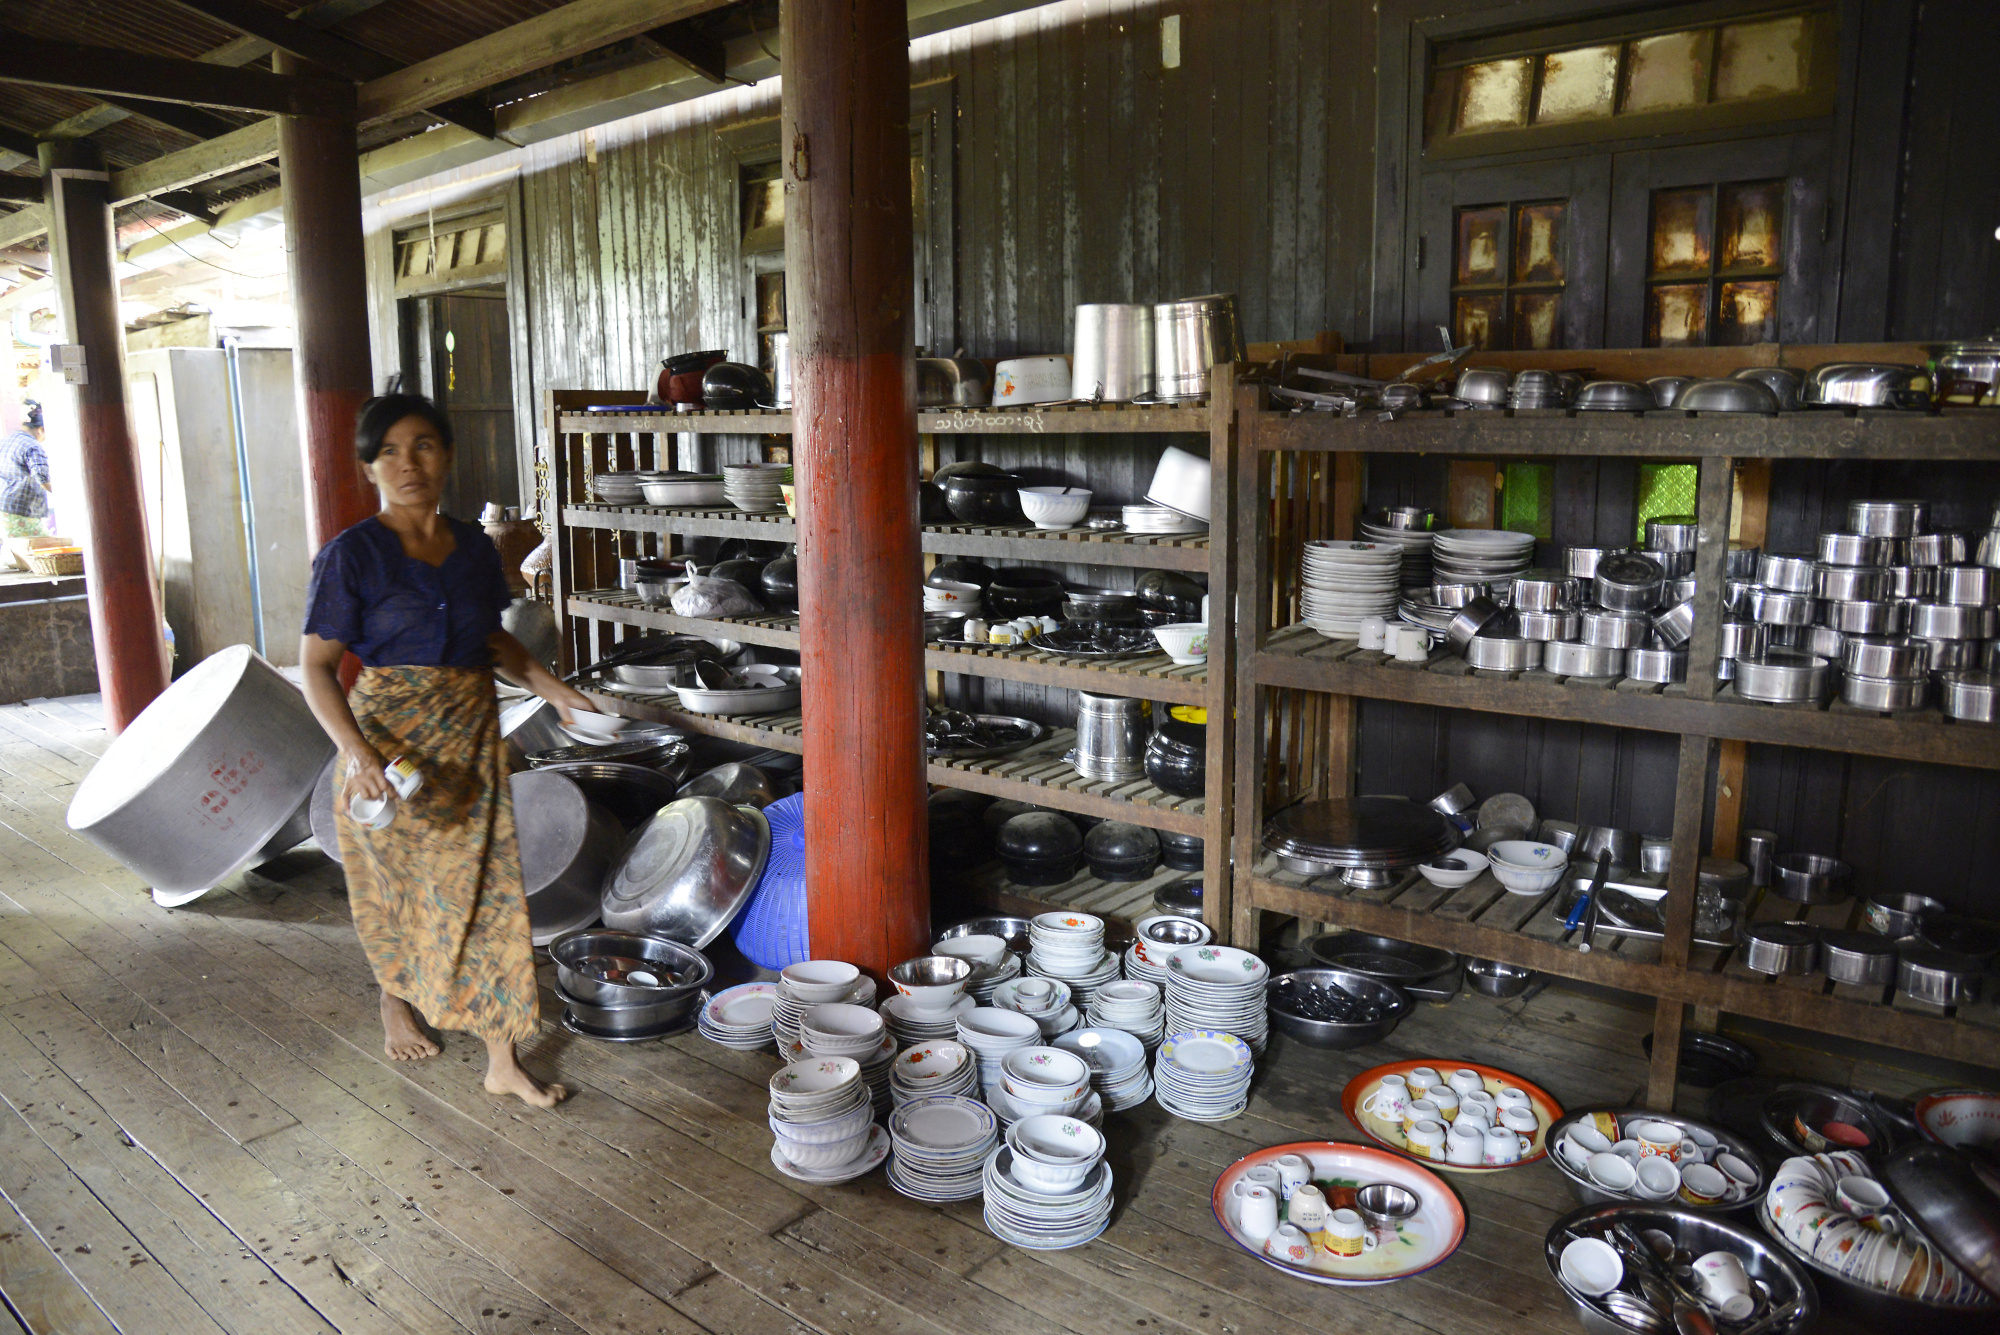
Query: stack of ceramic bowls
[1157, 937]
[909, 1025]
[1117, 1062]
[1046, 1001]
[1345, 583]
[823, 1121]
[1221, 988]
[1060, 1197]
[933, 1068]
[740, 1017]
[1070, 946]
[1525, 867]
[1203, 1075]
[617, 488]
[941, 1143]
[992, 963]
[812, 983]
[1138, 968]
[756, 487]
[990, 1034]
[1133, 1005]
[838, 1029]
[1480, 555]
[1042, 1080]
[1408, 528]
[1160, 519]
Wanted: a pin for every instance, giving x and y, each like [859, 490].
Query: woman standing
[24, 473]
[437, 895]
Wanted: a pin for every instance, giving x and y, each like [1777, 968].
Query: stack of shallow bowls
[756, 487]
[1409, 528]
[1537, 389]
[992, 963]
[1069, 946]
[618, 488]
[1041, 1080]
[1117, 1062]
[908, 1025]
[1204, 1075]
[1134, 1005]
[823, 1121]
[990, 1033]
[1046, 1001]
[812, 983]
[740, 1017]
[1525, 867]
[1477, 555]
[1218, 988]
[941, 1144]
[1344, 583]
[1157, 937]
[1033, 1203]
[933, 1068]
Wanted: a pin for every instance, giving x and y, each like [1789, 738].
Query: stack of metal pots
[1126, 351]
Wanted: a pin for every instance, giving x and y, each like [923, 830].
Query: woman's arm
[320, 661]
[513, 661]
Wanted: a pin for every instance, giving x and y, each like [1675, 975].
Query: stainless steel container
[1742, 561]
[1562, 833]
[1813, 878]
[1538, 389]
[1736, 596]
[1915, 582]
[1937, 549]
[209, 777]
[567, 843]
[1484, 386]
[1613, 630]
[1760, 854]
[1675, 625]
[1783, 948]
[1111, 736]
[1868, 385]
[1952, 655]
[1776, 608]
[1854, 583]
[1674, 565]
[1782, 677]
[1882, 656]
[1656, 855]
[1471, 619]
[1671, 533]
[1189, 337]
[1453, 800]
[1569, 659]
[1821, 642]
[1858, 958]
[1970, 697]
[1628, 582]
[1114, 352]
[1787, 574]
[1679, 590]
[1503, 653]
[1854, 549]
[781, 370]
[1884, 693]
[1889, 519]
[1972, 586]
[1862, 618]
[1941, 977]
[1544, 591]
[1725, 669]
[1657, 665]
[1951, 621]
[1623, 845]
[1784, 383]
[1743, 639]
[1581, 562]
[1666, 389]
[1899, 915]
[1547, 625]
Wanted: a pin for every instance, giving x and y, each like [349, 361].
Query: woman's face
[412, 466]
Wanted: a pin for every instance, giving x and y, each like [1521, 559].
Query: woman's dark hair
[31, 415]
[379, 414]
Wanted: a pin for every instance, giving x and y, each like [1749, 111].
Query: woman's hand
[564, 698]
[365, 779]
[517, 665]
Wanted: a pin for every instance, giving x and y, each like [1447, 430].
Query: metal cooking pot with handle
[1189, 337]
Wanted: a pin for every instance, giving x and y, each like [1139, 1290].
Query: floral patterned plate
[1547, 1110]
[1223, 965]
[1408, 1247]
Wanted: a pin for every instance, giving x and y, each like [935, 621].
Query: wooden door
[469, 374]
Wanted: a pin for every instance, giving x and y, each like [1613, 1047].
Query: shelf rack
[1481, 918]
[596, 614]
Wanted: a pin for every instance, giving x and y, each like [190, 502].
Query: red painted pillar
[319, 172]
[124, 598]
[849, 289]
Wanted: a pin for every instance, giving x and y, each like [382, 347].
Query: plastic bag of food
[708, 598]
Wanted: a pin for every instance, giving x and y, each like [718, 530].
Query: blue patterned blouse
[393, 610]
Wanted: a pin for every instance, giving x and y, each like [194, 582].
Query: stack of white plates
[812, 983]
[934, 1068]
[911, 1026]
[1140, 970]
[1203, 1075]
[1052, 1009]
[618, 488]
[1069, 946]
[990, 1034]
[1159, 519]
[1218, 987]
[740, 1017]
[1480, 555]
[1416, 545]
[941, 1144]
[754, 487]
[1042, 1219]
[1117, 1064]
[1133, 1005]
[822, 1121]
[1347, 582]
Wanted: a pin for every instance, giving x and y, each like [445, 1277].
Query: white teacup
[1465, 1081]
[1420, 1110]
[1389, 1099]
[1485, 1102]
[1592, 1140]
[1293, 1172]
[1502, 1146]
[1372, 629]
[1266, 1175]
[373, 813]
[1422, 1080]
[1426, 1140]
[1447, 1102]
[1465, 1145]
[1706, 1141]
[1657, 1138]
[1658, 1179]
[1510, 1097]
[1256, 1210]
[1630, 1151]
[1742, 1176]
[1474, 1114]
[1612, 1173]
[1523, 1124]
[1289, 1243]
[1702, 1184]
[1346, 1236]
[1307, 1208]
[1725, 1283]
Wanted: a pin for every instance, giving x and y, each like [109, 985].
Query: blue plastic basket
[773, 930]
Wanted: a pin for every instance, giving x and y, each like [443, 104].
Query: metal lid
[1629, 570]
[1360, 832]
[1857, 943]
[1783, 933]
[688, 871]
[1931, 1184]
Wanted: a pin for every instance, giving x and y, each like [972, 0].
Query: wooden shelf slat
[1121, 419]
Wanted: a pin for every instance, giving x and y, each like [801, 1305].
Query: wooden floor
[199, 1131]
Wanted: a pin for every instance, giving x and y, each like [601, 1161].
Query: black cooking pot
[931, 508]
[1181, 852]
[734, 385]
[1039, 848]
[746, 572]
[781, 582]
[1121, 851]
[1016, 594]
[983, 500]
[961, 572]
[1169, 591]
[1177, 758]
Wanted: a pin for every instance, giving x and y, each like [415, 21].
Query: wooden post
[125, 621]
[321, 181]
[845, 139]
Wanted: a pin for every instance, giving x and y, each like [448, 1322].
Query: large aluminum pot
[567, 844]
[1114, 352]
[319, 810]
[1189, 337]
[530, 727]
[687, 872]
[207, 778]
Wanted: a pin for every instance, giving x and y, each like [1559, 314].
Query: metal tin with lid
[1854, 549]
[1937, 549]
[1547, 625]
[1628, 582]
[1671, 533]
[1941, 977]
[1743, 639]
[1885, 656]
[1657, 665]
[1888, 519]
[1865, 618]
[1569, 659]
[1675, 625]
[1951, 621]
[1967, 586]
[1787, 574]
[1884, 693]
[1783, 948]
[1861, 958]
[1782, 677]
[1970, 697]
[1736, 596]
[1774, 607]
[1544, 591]
[1845, 582]
[1503, 653]
[1581, 562]
[1471, 620]
[1822, 642]
[1912, 581]
[1613, 630]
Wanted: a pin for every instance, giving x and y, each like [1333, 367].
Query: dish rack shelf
[1481, 919]
[596, 616]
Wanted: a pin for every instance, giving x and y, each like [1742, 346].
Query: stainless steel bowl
[1614, 396]
[1860, 958]
[1613, 630]
[1862, 618]
[1666, 389]
[1951, 621]
[1503, 653]
[688, 870]
[1546, 626]
[1306, 1004]
[1383, 958]
[1588, 1192]
[1889, 519]
[1453, 800]
[631, 793]
[1776, 608]
[598, 967]
[1866, 385]
[1787, 574]
[1664, 666]
[1783, 382]
[736, 783]
[1570, 659]
[1792, 1300]
[1883, 656]
[1628, 582]
[1941, 977]
[1813, 878]
[1623, 845]
[1014, 931]
[1853, 583]
[1782, 677]
[1491, 978]
[1884, 694]
[1782, 948]
[1898, 915]
[630, 1024]
[1727, 396]
[1675, 625]
[1973, 586]
[1484, 386]
[1970, 697]
[930, 971]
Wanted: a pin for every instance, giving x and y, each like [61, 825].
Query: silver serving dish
[1727, 396]
[1335, 1008]
[1491, 978]
[1614, 396]
[615, 969]
[1861, 958]
[644, 745]
[1866, 385]
[736, 783]
[1588, 1192]
[1970, 697]
[1812, 878]
[1568, 659]
[688, 871]
[630, 1024]
[1399, 963]
[1781, 948]
[1007, 733]
[1783, 382]
[1014, 931]
[1787, 1293]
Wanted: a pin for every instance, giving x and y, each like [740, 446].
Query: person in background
[436, 895]
[24, 471]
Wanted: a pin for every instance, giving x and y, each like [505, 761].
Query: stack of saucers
[1404, 528]
[1347, 582]
[1069, 946]
[1048, 1187]
[1117, 1064]
[1133, 1005]
[1203, 1075]
[1046, 1001]
[941, 1142]
[1159, 519]
[617, 489]
[755, 487]
[812, 983]
[740, 1017]
[1480, 555]
[933, 1068]
[823, 1121]
[990, 1034]
[910, 1025]
[1220, 988]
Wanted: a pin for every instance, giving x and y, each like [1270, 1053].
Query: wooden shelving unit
[596, 614]
[1481, 918]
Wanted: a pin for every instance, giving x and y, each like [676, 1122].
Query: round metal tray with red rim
[1547, 1110]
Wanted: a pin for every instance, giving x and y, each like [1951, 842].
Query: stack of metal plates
[1365, 838]
[1408, 529]
[1468, 555]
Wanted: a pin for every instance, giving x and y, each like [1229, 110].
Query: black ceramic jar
[1177, 758]
[1039, 848]
[1121, 851]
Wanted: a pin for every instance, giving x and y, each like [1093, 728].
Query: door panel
[466, 370]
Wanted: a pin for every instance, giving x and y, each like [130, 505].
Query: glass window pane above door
[1494, 96]
[1667, 72]
[1765, 59]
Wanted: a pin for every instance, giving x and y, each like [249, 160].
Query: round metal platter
[1412, 1246]
[1360, 832]
[1547, 1110]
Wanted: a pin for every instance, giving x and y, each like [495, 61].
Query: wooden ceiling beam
[21, 189]
[109, 71]
[188, 120]
[700, 51]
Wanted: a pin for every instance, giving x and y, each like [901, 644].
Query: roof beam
[21, 189]
[107, 70]
[701, 52]
[188, 120]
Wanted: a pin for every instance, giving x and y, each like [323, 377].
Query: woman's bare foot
[402, 1037]
[505, 1076]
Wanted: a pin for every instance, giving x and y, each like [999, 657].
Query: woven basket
[59, 561]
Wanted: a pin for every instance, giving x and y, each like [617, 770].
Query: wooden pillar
[849, 288]
[125, 620]
[320, 175]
